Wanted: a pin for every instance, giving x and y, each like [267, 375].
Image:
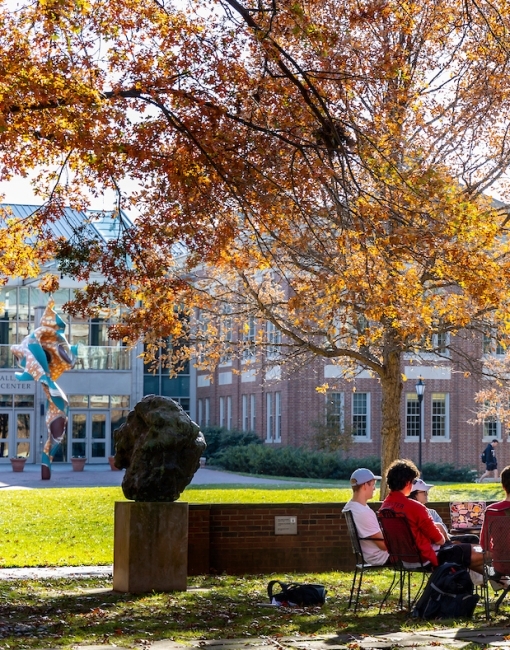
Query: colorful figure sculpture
[44, 355]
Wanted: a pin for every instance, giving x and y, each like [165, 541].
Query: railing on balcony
[102, 357]
[89, 357]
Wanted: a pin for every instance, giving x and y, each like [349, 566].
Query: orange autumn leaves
[326, 165]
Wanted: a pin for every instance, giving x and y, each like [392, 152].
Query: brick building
[283, 407]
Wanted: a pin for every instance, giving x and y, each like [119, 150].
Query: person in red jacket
[501, 508]
[429, 536]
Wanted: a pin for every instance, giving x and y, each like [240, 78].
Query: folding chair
[497, 554]
[361, 564]
[404, 554]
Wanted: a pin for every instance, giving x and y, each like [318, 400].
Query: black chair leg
[388, 592]
[359, 590]
[500, 599]
[353, 586]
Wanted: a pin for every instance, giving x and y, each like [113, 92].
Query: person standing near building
[491, 462]
[371, 538]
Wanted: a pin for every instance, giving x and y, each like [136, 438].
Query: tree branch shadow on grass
[65, 612]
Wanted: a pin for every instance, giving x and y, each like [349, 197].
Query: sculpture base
[150, 549]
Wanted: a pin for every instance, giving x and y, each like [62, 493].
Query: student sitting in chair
[371, 539]
[429, 536]
[487, 540]
[421, 493]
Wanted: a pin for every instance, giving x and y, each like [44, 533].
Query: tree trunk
[391, 387]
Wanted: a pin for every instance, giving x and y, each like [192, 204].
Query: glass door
[97, 443]
[87, 435]
[77, 432]
[5, 419]
[23, 434]
[15, 434]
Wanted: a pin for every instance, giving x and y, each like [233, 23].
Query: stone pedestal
[150, 550]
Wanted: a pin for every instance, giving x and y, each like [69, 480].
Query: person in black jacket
[491, 462]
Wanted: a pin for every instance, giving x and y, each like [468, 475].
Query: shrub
[241, 451]
[292, 462]
[219, 438]
[447, 472]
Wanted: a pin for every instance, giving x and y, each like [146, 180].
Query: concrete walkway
[101, 475]
[453, 638]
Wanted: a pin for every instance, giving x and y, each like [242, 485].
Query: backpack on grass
[448, 594]
[296, 594]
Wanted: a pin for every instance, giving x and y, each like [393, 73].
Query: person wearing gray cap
[372, 542]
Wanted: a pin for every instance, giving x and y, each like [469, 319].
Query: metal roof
[97, 223]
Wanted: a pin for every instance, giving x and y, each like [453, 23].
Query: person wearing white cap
[421, 493]
[372, 542]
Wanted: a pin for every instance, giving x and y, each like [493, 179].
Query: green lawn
[56, 613]
[74, 526]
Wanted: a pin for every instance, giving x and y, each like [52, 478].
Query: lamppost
[420, 389]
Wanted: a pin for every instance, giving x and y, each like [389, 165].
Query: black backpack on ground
[448, 594]
[295, 593]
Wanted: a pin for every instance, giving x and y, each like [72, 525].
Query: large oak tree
[325, 163]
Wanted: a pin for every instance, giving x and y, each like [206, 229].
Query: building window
[226, 337]
[278, 417]
[269, 417]
[200, 406]
[274, 339]
[222, 412]
[96, 350]
[157, 380]
[201, 323]
[440, 424]
[253, 414]
[249, 339]
[441, 342]
[491, 346]
[412, 416]
[207, 409]
[491, 428]
[229, 412]
[244, 415]
[335, 410]
[360, 415]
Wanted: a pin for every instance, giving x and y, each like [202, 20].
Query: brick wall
[241, 539]
[302, 407]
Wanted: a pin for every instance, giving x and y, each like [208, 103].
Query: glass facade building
[108, 379]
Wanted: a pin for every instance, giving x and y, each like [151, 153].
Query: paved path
[453, 638]
[101, 475]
